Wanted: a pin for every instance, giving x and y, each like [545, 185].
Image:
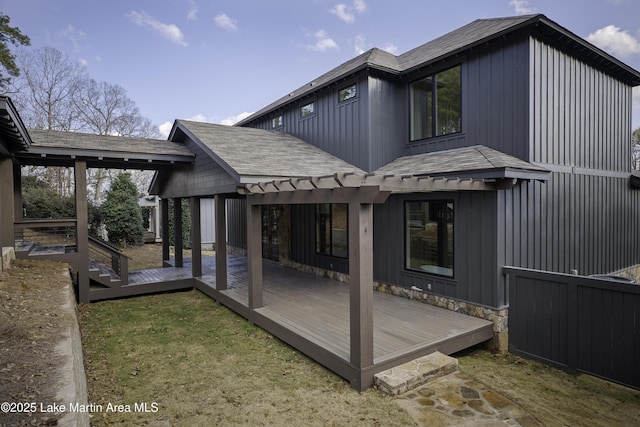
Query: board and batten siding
[577, 222]
[388, 123]
[237, 223]
[339, 128]
[580, 116]
[585, 217]
[205, 178]
[475, 263]
[495, 90]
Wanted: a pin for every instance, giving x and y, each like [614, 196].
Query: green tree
[41, 201]
[120, 212]
[9, 34]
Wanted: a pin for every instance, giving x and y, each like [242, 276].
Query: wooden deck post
[220, 214]
[361, 291]
[177, 231]
[6, 203]
[254, 254]
[166, 243]
[196, 238]
[82, 230]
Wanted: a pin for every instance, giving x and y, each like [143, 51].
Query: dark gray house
[541, 117]
[436, 175]
[503, 143]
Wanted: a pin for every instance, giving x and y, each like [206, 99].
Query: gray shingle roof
[104, 143]
[248, 152]
[467, 161]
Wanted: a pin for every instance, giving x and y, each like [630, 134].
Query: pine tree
[121, 214]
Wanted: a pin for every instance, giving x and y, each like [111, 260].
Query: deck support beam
[82, 230]
[196, 238]
[361, 292]
[254, 254]
[177, 231]
[166, 243]
[6, 207]
[220, 213]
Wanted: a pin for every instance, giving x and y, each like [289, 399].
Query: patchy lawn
[554, 397]
[204, 365]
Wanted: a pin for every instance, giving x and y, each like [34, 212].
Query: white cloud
[360, 6]
[347, 13]
[223, 21]
[229, 121]
[165, 129]
[521, 7]
[193, 10]
[614, 41]
[391, 48]
[361, 46]
[73, 34]
[340, 10]
[84, 62]
[170, 31]
[323, 42]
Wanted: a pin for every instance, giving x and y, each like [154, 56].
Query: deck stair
[108, 266]
[102, 274]
[410, 375]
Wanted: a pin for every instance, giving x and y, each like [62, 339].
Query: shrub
[121, 214]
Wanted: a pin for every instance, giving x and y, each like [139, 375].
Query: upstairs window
[307, 109]
[429, 237]
[347, 93]
[331, 229]
[276, 122]
[436, 105]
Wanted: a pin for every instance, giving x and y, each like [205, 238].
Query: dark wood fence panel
[576, 323]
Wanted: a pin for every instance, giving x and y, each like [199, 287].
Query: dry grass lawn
[203, 365]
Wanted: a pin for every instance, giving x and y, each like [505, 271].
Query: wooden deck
[311, 313]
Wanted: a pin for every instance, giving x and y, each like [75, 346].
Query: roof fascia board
[7, 105]
[35, 151]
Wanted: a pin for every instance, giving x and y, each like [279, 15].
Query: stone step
[410, 375]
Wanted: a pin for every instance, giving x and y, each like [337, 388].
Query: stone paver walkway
[459, 400]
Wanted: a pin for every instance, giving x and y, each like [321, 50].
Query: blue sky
[216, 61]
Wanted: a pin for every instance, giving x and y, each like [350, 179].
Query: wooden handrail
[41, 223]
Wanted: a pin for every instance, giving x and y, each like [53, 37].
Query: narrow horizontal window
[307, 109]
[347, 93]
